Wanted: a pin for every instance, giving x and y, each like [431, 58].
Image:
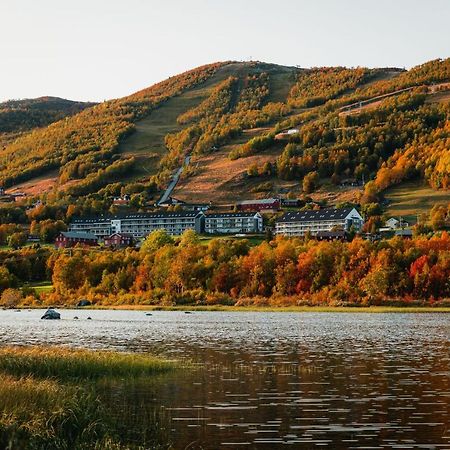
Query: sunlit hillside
[386, 125]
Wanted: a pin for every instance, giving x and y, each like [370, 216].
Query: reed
[68, 364]
[50, 398]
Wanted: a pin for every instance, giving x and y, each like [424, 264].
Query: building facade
[272, 204]
[139, 225]
[99, 226]
[230, 223]
[299, 223]
[119, 240]
[69, 239]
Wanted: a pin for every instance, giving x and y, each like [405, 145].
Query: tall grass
[49, 399]
[68, 364]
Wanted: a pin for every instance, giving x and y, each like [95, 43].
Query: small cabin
[119, 240]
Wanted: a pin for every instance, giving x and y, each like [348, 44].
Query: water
[270, 380]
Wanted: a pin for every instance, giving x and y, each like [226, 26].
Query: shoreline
[280, 309]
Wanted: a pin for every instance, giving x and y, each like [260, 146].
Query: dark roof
[91, 219]
[159, 214]
[264, 201]
[123, 235]
[163, 214]
[76, 235]
[318, 214]
[232, 214]
[407, 233]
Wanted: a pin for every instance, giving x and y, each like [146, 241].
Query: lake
[269, 380]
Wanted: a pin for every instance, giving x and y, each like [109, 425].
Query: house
[286, 134]
[298, 223]
[197, 206]
[393, 223]
[265, 204]
[33, 238]
[140, 225]
[18, 196]
[69, 239]
[119, 240]
[291, 202]
[171, 201]
[124, 200]
[231, 223]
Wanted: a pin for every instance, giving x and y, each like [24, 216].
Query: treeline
[23, 115]
[316, 86]
[429, 73]
[281, 272]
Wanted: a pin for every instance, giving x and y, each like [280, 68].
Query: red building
[69, 239]
[272, 204]
[119, 240]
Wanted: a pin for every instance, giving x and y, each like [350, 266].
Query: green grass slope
[412, 199]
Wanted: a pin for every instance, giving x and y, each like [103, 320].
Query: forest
[277, 272]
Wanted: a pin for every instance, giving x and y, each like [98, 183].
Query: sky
[101, 49]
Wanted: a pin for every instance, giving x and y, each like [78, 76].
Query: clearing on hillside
[411, 199]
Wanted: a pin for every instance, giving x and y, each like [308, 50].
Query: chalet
[69, 239]
[230, 223]
[299, 223]
[119, 240]
[124, 200]
[394, 223]
[265, 204]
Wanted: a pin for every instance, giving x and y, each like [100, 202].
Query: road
[176, 177]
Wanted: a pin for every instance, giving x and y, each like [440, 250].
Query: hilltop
[20, 116]
[348, 125]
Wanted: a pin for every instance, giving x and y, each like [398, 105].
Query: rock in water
[51, 314]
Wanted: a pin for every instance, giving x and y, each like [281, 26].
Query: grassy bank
[299, 309]
[69, 364]
[48, 397]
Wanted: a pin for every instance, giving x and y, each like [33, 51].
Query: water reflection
[263, 380]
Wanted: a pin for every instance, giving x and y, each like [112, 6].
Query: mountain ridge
[134, 143]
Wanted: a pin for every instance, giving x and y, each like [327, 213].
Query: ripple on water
[266, 380]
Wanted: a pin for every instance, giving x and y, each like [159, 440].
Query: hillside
[387, 125]
[20, 116]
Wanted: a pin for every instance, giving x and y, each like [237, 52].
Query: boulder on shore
[51, 314]
[82, 303]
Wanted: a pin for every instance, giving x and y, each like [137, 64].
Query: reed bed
[68, 364]
[49, 398]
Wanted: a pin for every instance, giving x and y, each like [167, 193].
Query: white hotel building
[140, 224]
[228, 223]
[298, 223]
